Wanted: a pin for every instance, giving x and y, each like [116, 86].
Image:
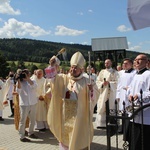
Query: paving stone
[9, 138]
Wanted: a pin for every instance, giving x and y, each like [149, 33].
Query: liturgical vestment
[107, 92]
[70, 119]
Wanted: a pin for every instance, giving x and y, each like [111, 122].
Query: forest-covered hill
[40, 51]
[37, 51]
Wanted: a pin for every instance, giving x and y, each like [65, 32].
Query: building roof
[111, 43]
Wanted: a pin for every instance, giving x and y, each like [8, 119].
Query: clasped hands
[105, 83]
[133, 98]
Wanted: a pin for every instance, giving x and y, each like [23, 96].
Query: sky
[70, 21]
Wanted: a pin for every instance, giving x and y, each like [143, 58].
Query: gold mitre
[77, 59]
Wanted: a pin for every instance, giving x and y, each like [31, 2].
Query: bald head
[141, 61]
[108, 63]
[39, 73]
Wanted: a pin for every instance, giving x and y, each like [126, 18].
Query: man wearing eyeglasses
[140, 85]
[148, 64]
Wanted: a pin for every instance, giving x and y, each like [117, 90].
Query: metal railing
[112, 117]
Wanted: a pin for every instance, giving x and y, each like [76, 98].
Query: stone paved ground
[9, 138]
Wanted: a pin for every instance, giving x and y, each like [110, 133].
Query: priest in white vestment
[107, 83]
[41, 114]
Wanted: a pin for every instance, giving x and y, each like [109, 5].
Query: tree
[21, 65]
[13, 66]
[43, 66]
[32, 67]
[3, 66]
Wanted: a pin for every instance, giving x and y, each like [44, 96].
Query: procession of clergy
[65, 103]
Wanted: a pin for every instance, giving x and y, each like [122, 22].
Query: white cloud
[85, 43]
[5, 8]
[129, 43]
[71, 42]
[123, 28]
[1, 20]
[80, 13]
[141, 47]
[135, 48]
[14, 28]
[90, 11]
[64, 31]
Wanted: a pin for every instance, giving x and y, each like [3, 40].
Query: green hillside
[33, 54]
[37, 51]
[40, 51]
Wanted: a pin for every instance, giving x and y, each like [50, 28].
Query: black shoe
[33, 136]
[11, 116]
[42, 130]
[26, 133]
[1, 119]
[120, 131]
[101, 127]
[25, 140]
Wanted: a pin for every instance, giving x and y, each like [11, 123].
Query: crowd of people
[64, 103]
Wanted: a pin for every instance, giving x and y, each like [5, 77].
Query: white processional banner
[139, 13]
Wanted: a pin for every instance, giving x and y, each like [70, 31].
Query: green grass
[26, 63]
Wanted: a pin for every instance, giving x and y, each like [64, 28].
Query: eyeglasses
[139, 59]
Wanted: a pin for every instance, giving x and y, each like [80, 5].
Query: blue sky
[70, 21]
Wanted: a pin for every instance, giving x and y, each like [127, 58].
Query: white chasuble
[107, 92]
